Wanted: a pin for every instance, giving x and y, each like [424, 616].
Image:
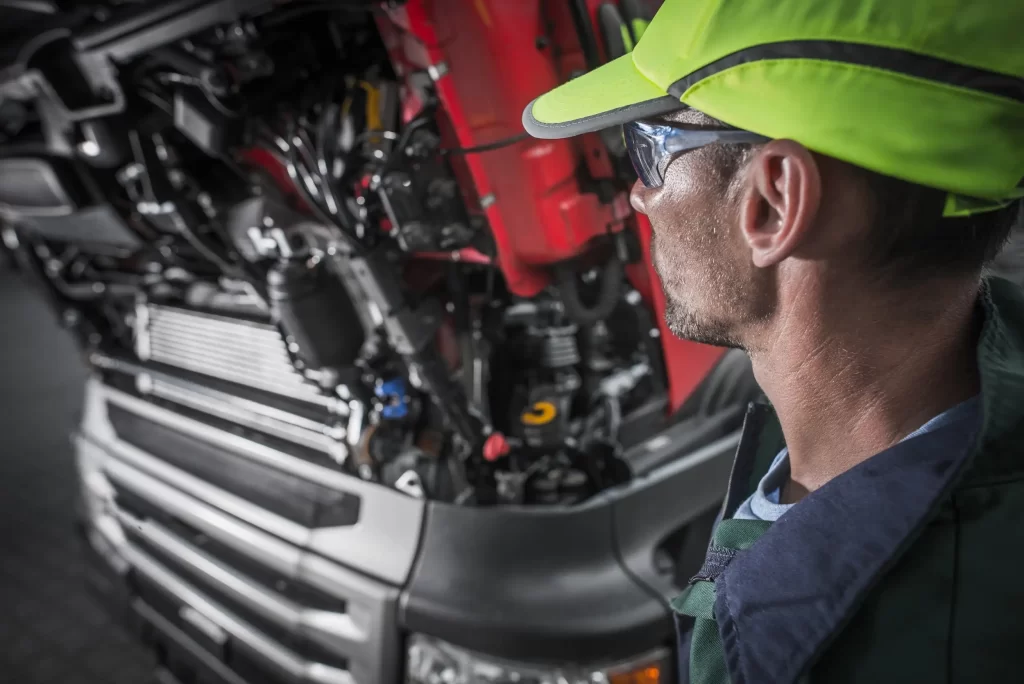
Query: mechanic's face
[713, 291]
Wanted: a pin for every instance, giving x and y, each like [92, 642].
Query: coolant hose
[608, 296]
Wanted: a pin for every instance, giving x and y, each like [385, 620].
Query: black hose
[303, 9]
[585, 32]
[496, 145]
[608, 296]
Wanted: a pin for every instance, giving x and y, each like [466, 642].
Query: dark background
[51, 629]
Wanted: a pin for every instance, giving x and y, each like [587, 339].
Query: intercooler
[238, 350]
[211, 482]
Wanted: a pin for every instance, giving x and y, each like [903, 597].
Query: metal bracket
[437, 71]
[409, 483]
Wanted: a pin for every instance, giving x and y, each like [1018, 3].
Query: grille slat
[232, 375]
[330, 629]
[307, 433]
[285, 661]
[285, 494]
[369, 605]
[384, 542]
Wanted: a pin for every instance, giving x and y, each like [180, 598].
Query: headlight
[432, 661]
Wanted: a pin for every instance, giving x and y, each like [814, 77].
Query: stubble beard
[681, 316]
[688, 325]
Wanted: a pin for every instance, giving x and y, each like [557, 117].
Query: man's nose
[638, 196]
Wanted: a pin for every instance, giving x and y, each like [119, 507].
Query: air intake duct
[315, 312]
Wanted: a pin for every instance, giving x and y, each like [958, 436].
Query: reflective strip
[891, 59]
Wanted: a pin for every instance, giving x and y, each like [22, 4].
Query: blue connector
[394, 396]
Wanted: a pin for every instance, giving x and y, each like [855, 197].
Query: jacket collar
[781, 602]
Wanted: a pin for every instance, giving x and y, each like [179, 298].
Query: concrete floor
[51, 629]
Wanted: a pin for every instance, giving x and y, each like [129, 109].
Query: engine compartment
[292, 238]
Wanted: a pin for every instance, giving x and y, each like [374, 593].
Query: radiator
[237, 350]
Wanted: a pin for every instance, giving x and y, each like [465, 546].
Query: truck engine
[331, 295]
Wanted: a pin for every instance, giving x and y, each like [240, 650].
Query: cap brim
[613, 94]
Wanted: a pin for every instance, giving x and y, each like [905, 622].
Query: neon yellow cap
[929, 91]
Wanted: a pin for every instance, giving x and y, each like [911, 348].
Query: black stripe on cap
[891, 59]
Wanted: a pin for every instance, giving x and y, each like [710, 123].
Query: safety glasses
[652, 147]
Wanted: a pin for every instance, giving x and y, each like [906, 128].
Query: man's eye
[662, 161]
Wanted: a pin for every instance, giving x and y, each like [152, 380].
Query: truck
[380, 389]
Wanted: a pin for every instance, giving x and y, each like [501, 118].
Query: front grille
[238, 350]
[258, 553]
[290, 496]
[312, 633]
[308, 431]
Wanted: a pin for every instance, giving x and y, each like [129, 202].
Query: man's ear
[779, 201]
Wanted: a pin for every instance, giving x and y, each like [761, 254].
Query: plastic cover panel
[530, 584]
[564, 583]
[98, 226]
[34, 187]
[666, 501]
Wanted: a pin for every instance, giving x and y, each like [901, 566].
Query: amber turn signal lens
[647, 675]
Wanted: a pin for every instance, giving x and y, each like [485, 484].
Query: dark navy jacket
[907, 567]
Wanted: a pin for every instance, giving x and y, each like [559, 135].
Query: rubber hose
[585, 32]
[608, 297]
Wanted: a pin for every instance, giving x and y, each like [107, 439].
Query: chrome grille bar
[236, 570]
[313, 434]
[358, 634]
[281, 658]
[227, 440]
[182, 640]
[384, 548]
[328, 628]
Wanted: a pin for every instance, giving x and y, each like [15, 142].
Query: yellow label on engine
[541, 413]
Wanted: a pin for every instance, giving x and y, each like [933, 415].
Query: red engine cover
[489, 59]
[538, 214]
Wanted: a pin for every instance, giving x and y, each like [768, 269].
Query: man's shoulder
[1001, 364]
[949, 608]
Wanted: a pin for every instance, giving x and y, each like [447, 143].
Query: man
[826, 181]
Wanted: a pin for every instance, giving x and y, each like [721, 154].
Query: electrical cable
[302, 10]
[283, 152]
[422, 118]
[496, 145]
[304, 144]
[322, 133]
[585, 32]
